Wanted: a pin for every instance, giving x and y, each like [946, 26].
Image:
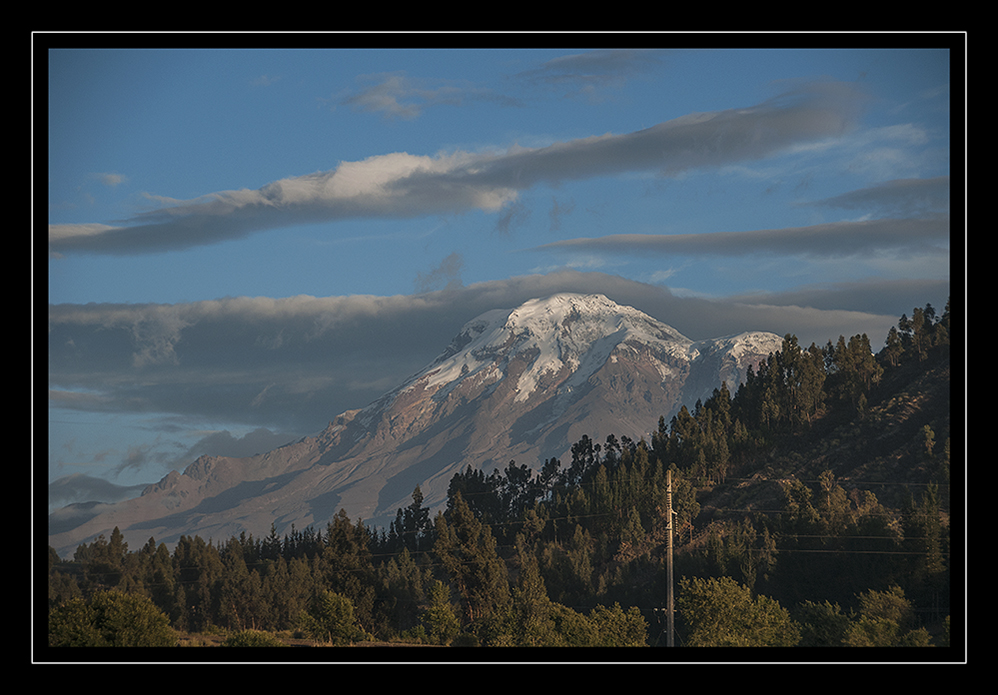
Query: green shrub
[439, 621]
[110, 619]
[723, 613]
[330, 618]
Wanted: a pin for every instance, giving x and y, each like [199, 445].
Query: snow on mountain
[564, 331]
[522, 384]
[565, 339]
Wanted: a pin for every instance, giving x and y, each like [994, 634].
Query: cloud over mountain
[295, 362]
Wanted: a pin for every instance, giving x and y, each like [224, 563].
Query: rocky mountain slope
[519, 385]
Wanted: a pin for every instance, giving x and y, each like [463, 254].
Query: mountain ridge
[521, 384]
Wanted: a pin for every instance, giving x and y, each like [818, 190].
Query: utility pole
[670, 619]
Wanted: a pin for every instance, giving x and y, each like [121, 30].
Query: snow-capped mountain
[522, 384]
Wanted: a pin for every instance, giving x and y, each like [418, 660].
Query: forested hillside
[812, 508]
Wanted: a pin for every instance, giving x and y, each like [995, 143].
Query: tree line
[572, 555]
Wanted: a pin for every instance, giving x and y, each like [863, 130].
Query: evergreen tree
[479, 492]
[239, 591]
[271, 547]
[921, 331]
[411, 524]
[854, 371]
[467, 551]
[198, 569]
[439, 620]
[330, 618]
[344, 565]
[893, 348]
[286, 588]
[159, 577]
[403, 591]
[531, 605]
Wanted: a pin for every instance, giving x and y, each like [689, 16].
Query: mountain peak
[549, 335]
[557, 307]
[546, 313]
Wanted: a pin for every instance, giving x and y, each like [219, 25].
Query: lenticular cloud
[405, 185]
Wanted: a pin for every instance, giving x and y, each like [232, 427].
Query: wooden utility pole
[670, 621]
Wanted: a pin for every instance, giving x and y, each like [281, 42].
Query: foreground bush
[330, 618]
[550, 624]
[723, 613]
[110, 619]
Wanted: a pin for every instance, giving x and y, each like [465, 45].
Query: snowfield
[574, 332]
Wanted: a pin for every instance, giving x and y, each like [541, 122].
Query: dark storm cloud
[296, 363]
[400, 185]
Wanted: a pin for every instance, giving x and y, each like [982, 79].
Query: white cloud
[395, 95]
[111, 180]
[68, 233]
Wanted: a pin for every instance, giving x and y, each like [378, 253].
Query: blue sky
[244, 243]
